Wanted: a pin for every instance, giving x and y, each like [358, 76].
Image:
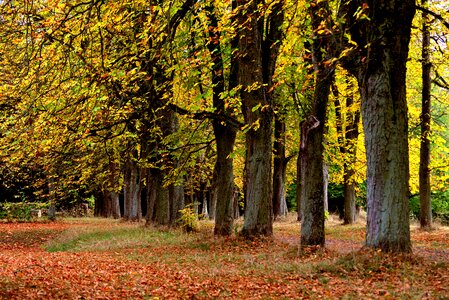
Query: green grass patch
[110, 238]
[354, 232]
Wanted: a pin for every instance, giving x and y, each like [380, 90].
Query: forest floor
[107, 259]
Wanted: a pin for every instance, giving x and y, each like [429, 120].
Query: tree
[382, 33]
[225, 132]
[100, 70]
[133, 188]
[258, 48]
[347, 126]
[313, 127]
[425, 217]
[280, 162]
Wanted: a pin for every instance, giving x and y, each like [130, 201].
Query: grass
[109, 237]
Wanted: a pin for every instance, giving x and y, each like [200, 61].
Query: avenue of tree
[153, 106]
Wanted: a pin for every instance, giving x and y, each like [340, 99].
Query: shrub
[189, 219]
[291, 197]
[414, 207]
[440, 206]
[20, 211]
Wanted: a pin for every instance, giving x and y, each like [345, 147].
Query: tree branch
[440, 81]
[178, 16]
[207, 115]
[433, 14]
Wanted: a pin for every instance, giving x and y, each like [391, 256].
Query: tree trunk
[222, 206]
[132, 206]
[425, 216]
[107, 205]
[348, 132]
[258, 210]
[258, 115]
[100, 205]
[385, 122]
[351, 137]
[177, 202]
[115, 198]
[260, 37]
[299, 205]
[279, 169]
[325, 172]
[150, 197]
[165, 199]
[308, 98]
[236, 202]
[161, 198]
[380, 67]
[312, 131]
[204, 208]
[213, 202]
[224, 213]
[350, 209]
[312, 179]
[326, 186]
[385, 125]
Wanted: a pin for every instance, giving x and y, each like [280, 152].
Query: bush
[440, 206]
[414, 207]
[20, 211]
[291, 197]
[189, 219]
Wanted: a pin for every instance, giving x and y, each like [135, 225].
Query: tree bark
[132, 190]
[260, 37]
[258, 210]
[325, 186]
[383, 40]
[177, 202]
[312, 131]
[107, 205]
[225, 133]
[349, 209]
[279, 169]
[308, 98]
[351, 137]
[312, 179]
[224, 213]
[213, 201]
[425, 216]
[299, 183]
[160, 198]
[258, 116]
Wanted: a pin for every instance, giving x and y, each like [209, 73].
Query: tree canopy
[151, 106]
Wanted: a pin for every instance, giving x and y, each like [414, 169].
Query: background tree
[424, 164]
[347, 128]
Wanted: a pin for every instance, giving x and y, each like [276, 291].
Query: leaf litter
[204, 267]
